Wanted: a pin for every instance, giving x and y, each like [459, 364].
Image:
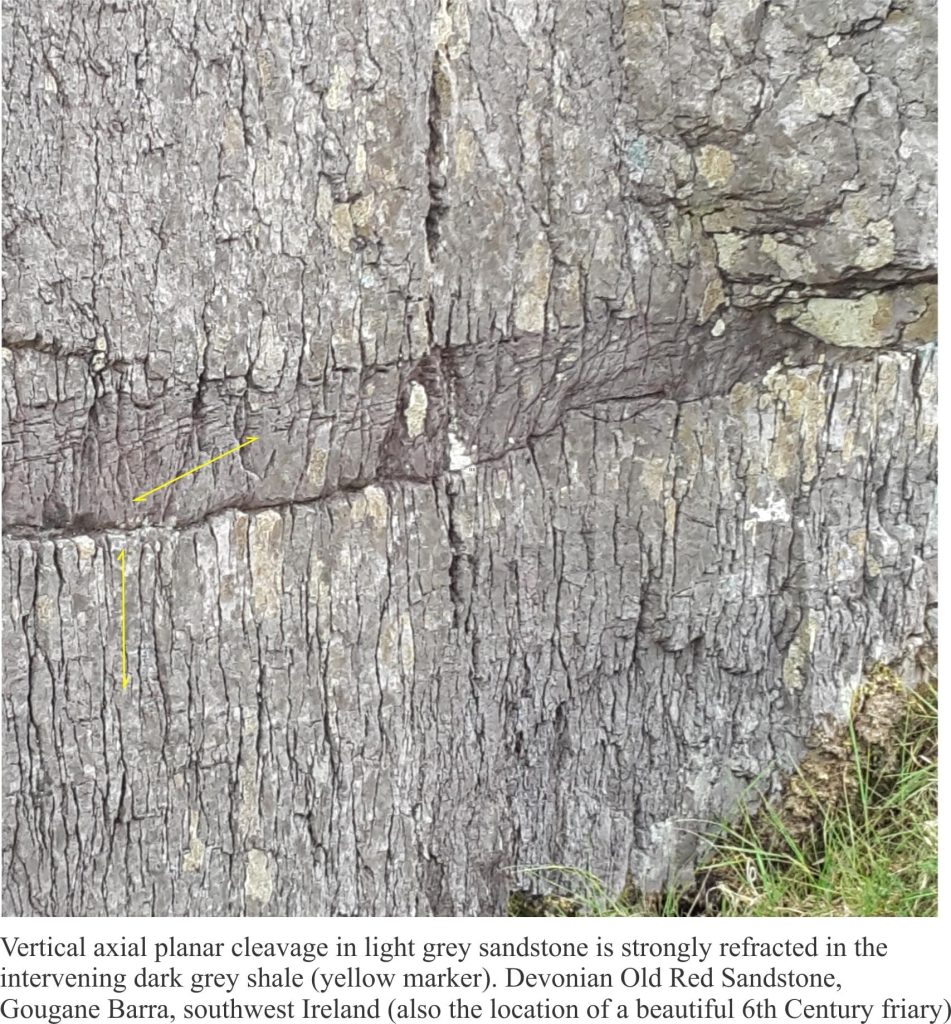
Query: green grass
[859, 839]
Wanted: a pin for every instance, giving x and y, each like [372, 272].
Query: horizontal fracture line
[23, 531]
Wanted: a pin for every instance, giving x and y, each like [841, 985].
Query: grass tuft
[856, 834]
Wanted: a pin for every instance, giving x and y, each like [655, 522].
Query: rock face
[590, 348]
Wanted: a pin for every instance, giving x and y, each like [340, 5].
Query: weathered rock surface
[591, 352]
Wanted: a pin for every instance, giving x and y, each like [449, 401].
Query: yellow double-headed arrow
[188, 472]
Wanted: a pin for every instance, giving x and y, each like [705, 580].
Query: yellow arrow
[188, 472]
[125, 676]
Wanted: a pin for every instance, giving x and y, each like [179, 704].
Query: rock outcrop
[590, 348]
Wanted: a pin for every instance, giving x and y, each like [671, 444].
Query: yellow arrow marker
[188, 472]
[125, 676]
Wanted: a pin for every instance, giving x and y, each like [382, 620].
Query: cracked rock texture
[590, 347]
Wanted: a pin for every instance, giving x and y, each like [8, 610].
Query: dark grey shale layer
[590, 348]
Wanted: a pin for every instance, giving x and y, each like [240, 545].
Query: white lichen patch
[267, 562]
[671, 508]
[715, 164]
[44, 608]
[534, 279]
[248, 806]
[258, 885]
[195, 855]
[362, 212]
[85, 550]
[387, 660]
[338, 95]
[729, 245]
[799, 419]
[377, 507]
[267, 368]
[319, 590]
[928, 407]
[232, 134]
[442, 25]
[360, 161]
[370, 507]
[416, 406]
[325, 201]
[249, 721]
[777, 511]
[800, 650]
[654, 477]
[465, 152]
[459, 458]
[317, 462]
[836, 88]
[99, 360]
[407, 646]
[728, 18]
[341, 226]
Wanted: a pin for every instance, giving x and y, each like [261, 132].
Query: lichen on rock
[590, 349]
